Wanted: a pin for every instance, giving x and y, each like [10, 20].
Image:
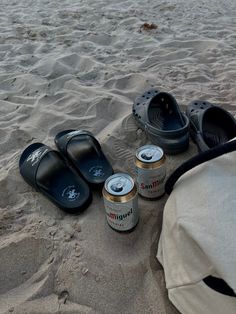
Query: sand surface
[80, 64]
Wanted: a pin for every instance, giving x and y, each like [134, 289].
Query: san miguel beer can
[150, 171]
[121, 202]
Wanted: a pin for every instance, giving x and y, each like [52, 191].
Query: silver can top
[149, 153]
[119, 184]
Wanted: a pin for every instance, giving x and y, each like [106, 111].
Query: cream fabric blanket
[198, 237]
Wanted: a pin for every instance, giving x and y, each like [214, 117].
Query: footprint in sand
[21, 258]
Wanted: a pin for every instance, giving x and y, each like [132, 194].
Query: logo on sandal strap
[96, 171]
[37, 155]
[70, 193]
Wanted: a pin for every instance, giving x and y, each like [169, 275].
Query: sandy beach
[80, 65]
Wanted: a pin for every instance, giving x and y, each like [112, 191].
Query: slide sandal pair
[159, 115]
[210, 125]
[65, 177]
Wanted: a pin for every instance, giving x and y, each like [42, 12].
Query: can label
[151, 181]
[122, 216]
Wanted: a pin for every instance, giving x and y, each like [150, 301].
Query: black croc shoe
[159, 115]
[210, 125]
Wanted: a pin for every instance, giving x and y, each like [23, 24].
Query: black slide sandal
[210, 125]
[45, 170]
[83, 150]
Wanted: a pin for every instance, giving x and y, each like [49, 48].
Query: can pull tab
[118, 186]
[146, 156]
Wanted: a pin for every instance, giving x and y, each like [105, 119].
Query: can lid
[149, 153]
[119, 184]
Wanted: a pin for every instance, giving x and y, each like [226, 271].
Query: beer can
[150, 171]
[121, 202]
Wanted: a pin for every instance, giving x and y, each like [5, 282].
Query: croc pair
[65, 177]
[159, 115]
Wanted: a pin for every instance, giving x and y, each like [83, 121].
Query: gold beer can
[121, 202]
[150, 171]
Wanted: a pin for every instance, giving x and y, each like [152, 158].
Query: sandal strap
[29, 167]
[63, 141]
